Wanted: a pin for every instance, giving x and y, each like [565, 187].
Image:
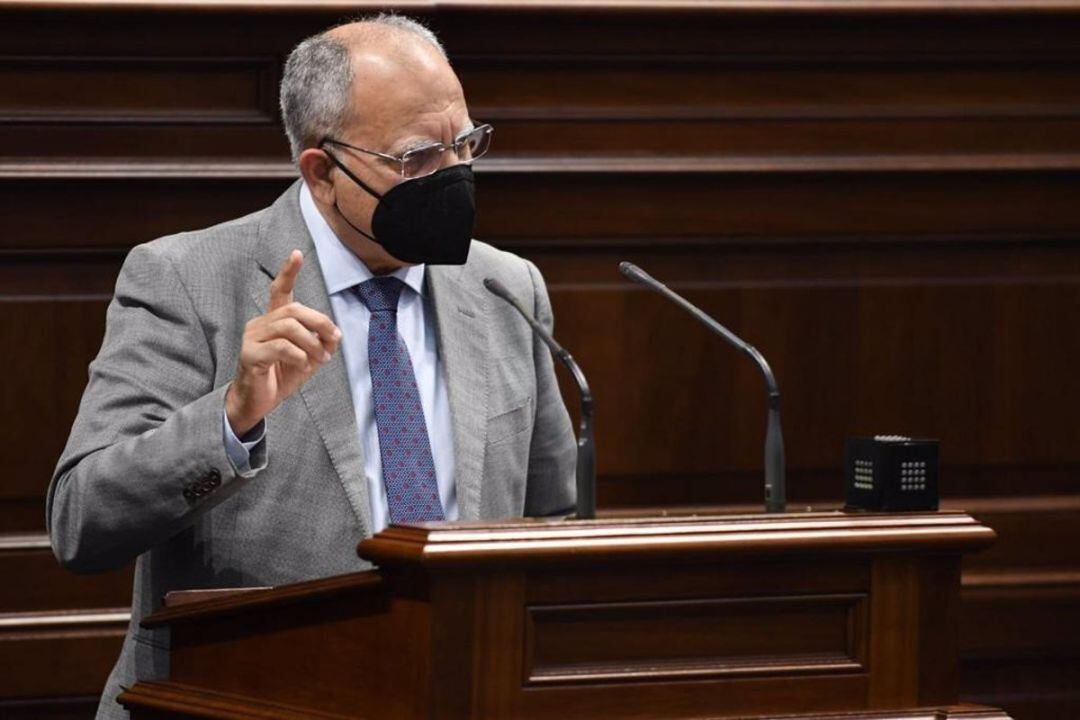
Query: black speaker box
[891, 473]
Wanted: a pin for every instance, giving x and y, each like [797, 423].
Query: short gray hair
[316, 98]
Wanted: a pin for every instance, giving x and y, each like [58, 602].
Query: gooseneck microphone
[586, 449]
[775, 500]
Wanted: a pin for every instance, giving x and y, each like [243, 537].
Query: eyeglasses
[425, 160]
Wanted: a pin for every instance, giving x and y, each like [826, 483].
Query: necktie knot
[380, 294]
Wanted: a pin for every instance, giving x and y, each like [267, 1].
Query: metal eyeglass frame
[405, 156]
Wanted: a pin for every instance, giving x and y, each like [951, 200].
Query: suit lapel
[462, 327]
[326, 395]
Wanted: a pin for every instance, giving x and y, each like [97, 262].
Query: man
[272, 390]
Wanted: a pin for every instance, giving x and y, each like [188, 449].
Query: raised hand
[280, 351]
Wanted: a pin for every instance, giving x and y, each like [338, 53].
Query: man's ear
[316, 169]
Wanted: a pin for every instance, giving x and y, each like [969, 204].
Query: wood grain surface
[607, 622]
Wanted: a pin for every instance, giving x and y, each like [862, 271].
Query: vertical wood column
[894, 620]
[913, 598]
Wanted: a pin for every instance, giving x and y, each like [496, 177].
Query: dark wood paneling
[59, 633]
[775, 88]
[695, 639]
[938, 359]
[790, 142]
[47, 90]
[627, 656]
[883, 197]
[1026, 688]
[55, 708]
[46, 406]
[648, 203]
[59, 654]
[120, 209]
[53, 589]
[1035, 535]
[660, 206]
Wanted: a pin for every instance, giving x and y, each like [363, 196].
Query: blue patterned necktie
[412, 492]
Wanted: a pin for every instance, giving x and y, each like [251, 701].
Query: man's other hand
[280, 351]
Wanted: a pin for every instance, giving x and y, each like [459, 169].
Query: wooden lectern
[813, 615]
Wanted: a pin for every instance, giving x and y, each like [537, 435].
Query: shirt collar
[340, 267]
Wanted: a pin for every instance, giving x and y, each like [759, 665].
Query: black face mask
[424, 220]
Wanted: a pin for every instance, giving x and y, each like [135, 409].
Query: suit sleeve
[551, 486]
[145, 456]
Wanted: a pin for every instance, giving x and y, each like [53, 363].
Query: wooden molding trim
[21, 543]
[781, 164]
[554, 658]
[1050, 578]
[252, 598]
[542, 540]
[67, 619]
[195, 702]
[124, 170]
[955, 712]
[558, 243]
[176, 598]
[788, 7]
[567, 165]
[176, 698]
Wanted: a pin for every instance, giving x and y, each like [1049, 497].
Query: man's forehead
[388, 48]
[370, 33]
[404, 95]
[415, 70]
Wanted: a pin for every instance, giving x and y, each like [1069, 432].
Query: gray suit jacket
[150, 426]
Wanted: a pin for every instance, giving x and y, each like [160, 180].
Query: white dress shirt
[342, 271]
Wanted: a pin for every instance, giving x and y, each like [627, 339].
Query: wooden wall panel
[641, 88]
[48, 588]
[653, 202]
[926, 339]
[791, 143]
[59, 634]
[116, 209]
[64, 90]
[46, 405]
[882, 196]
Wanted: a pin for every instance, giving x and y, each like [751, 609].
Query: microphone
[586, 449]
[775, 500]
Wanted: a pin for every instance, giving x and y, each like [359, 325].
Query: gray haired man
[273, 389]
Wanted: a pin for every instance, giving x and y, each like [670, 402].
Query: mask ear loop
[349, 174]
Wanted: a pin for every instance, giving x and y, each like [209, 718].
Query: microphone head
[633, 272]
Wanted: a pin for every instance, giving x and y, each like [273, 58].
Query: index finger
[281, 289]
